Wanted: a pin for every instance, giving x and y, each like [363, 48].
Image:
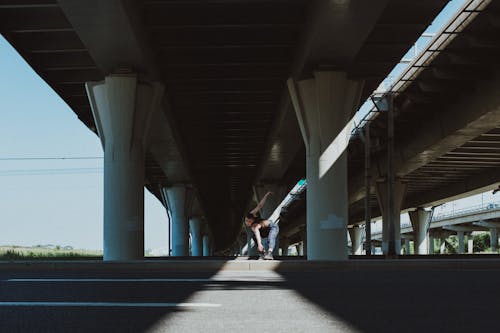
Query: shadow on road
[399, 299]
[145, 287]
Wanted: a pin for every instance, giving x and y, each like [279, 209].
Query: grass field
[44, 253]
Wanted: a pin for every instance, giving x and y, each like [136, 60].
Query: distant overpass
[460, 222]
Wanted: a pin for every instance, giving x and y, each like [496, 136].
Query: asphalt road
[336, 300]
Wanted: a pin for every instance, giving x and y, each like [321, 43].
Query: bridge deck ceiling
[476, 156]
[225, 64]
[457, 76]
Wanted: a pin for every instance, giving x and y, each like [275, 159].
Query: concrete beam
[485, 181]
[446, 131]
[325, 41]
[463, 228]
[441, 233]
[469, 218]
[488, 224]
[112, 33]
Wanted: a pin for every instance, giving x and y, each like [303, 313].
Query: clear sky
[60, 201]
[52, 201]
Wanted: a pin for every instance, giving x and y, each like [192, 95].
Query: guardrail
[471, 210]
[441, 40]
[467, 211]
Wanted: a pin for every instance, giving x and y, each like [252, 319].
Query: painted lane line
[108, 280]
[112, 304]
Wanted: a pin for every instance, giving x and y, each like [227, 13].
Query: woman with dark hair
[262, 228]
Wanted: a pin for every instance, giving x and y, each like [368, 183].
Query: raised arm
[260, 204]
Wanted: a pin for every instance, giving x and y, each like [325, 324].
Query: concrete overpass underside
[224, 65]
[447, 125]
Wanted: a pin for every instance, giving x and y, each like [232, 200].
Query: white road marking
[107, 280]
[216, 278]
[113, 304]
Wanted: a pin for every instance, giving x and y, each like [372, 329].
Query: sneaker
[262, 256]
[268, 255]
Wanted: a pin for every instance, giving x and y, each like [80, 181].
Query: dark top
[264, 231]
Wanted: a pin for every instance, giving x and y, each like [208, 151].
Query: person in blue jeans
[262, 228]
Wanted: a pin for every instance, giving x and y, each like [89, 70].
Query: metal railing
[471, 210]
[441, 40]
[467, 211]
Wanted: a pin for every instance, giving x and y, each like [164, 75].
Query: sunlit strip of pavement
[112, 304]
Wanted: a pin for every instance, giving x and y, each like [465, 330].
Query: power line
[32, 172]
[49, 158]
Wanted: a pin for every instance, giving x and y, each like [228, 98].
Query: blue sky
[60, 201]
[52, 201]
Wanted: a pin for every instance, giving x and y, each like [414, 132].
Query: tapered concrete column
[122, 108]
[407, 246]
[470, 243]
[431, 245]
[303, 236]
[389, 237]
[195, 228]
[285, 244]
[324, 105]
[461, 245]
[356, 244]
[442, 246]
[206, 246]
[300, 248]
[494, 239]
[420, 221]
[179, 198]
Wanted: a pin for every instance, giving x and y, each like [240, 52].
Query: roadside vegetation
[481, 244]
[13, 252]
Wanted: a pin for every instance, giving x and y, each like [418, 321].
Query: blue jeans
[273, 233]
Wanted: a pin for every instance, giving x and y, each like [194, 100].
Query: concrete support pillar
[442, 246]
[431, 245]
[470, 243]
[300, 249]
[494, 239]
[407, 246]
[420, 221]
[356, 242]
[461, 245]
[285, 244]
[324, 106]
[391, 233]
[179, 198]
[195, 228]
[303, 236]
[206, 246]
[122, 108]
